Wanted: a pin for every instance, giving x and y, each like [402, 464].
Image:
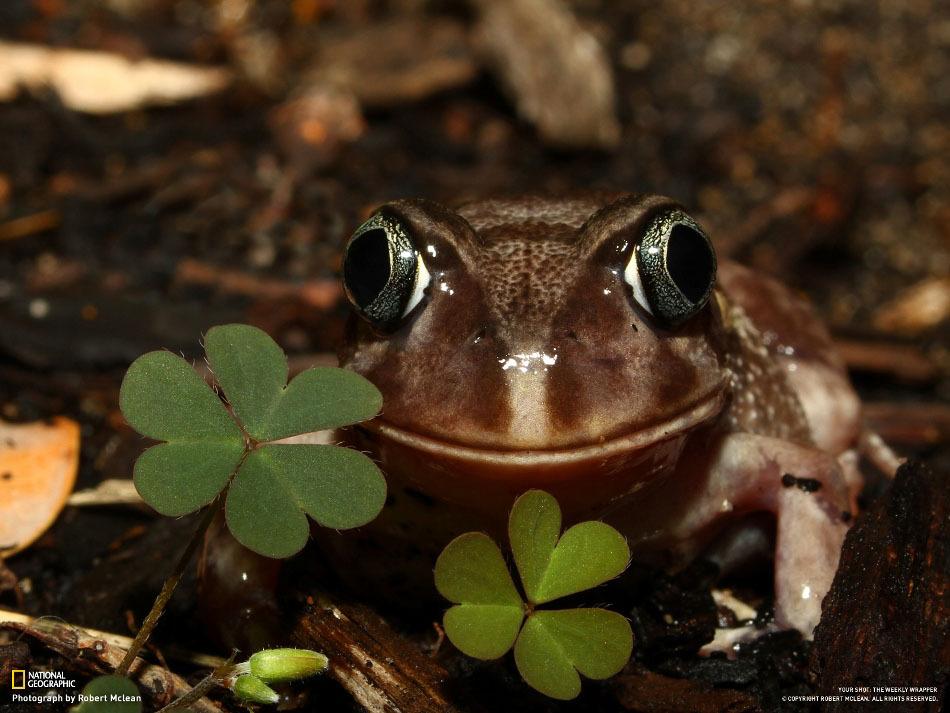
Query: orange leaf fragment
[38, 464]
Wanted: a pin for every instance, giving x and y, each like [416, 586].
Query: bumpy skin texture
[534, 291]
[529, 364]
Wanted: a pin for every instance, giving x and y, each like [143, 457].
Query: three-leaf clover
[551, 646]
[206, 446]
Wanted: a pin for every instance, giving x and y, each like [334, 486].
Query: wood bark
[886, 620]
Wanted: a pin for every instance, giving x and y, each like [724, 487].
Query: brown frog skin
[525, 343]
[530, 343]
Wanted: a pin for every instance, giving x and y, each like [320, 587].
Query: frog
[594, 347]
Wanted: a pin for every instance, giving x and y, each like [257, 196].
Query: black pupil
[366, 270]
[689, 262]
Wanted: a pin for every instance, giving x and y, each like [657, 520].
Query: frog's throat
[702, 411]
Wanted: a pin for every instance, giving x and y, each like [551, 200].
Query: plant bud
[276, 665]
[251, 688]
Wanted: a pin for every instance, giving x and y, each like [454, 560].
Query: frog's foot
[808, 494]
[727, 638]
[808, 544]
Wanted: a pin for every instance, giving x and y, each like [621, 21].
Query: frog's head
[533, 333]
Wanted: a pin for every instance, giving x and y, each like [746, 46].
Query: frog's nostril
[478, 336]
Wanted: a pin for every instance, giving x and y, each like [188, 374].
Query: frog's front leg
[804, 488]
[722, 481]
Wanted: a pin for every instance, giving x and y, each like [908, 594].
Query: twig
[215, 678]
[169, 587]
[319, 293]
[96, 656]
[908, 423]
[195, 658]
[29, 225]
[114, 491]
[904, 361]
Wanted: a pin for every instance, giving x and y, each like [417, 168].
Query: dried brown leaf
[38, 463]
[103, 82]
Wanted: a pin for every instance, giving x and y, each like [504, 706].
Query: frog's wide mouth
[635, 440]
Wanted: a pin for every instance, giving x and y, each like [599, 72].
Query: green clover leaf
[552, 646]
[205, 447]
[588, 554]
[472, 572]
[555, 645]
[252, 371]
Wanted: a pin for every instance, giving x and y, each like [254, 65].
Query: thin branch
[195, 658]
[169, 587]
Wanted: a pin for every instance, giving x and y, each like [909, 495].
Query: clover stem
[169, 587]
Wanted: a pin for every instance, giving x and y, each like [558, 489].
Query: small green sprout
[552, 646]
[109, 694]
[274, 666]
[281, 665]
[207, 447]
[253, 689]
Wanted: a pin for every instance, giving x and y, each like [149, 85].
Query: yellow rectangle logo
[22, 679]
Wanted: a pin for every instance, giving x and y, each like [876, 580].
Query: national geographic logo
[43, 687]
[21, 679]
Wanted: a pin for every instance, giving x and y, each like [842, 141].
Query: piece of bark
[382, 671]
[886, 620]
[393, 62]
[642, 690]
[558, 72]
[97, 657]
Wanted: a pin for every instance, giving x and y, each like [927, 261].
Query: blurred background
[168, 165]
[811, 138]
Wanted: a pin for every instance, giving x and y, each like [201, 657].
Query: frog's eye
[383, 273]
[672, 269]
